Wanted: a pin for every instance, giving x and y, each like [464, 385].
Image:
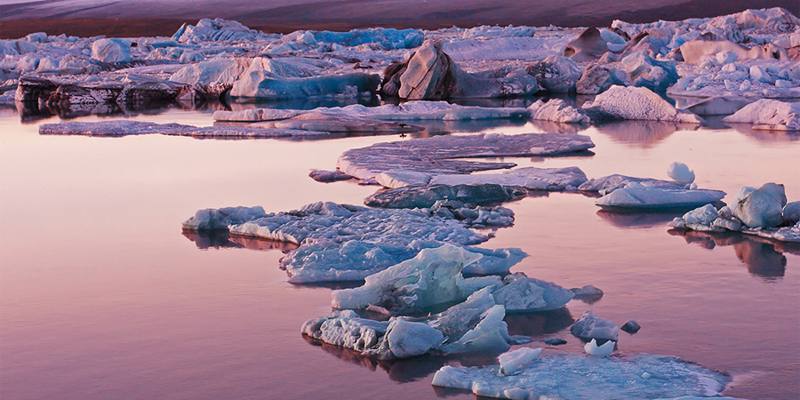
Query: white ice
[768, 114]
[636, 103]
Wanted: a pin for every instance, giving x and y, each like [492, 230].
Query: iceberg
[760, 208]
[607, 184]
[680, 173]
[556, 74]
[635, 103]
[637, 196]
[531, 178]
[441, 154]
[570, 376]
[259, 85]
[218, 29]
[210, 219]
[430, 74]
[766, 114]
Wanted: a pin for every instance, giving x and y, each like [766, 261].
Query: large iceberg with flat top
[571, 376]
[637, 196]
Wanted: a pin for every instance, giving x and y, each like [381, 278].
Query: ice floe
[119, 128]
[442, 154]
[570, 376]
[419, 196]
[514, 362]
[638, 196]
[348, 243]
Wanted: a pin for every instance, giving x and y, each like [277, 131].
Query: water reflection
[641, 134]
[763, 258]
[222, 239]
[538, 324]
[639, 220]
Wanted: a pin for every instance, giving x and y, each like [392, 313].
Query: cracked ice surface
[569, 376]
[438, 155]
[347, 243]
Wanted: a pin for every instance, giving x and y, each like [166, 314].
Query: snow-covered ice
[636, 103]
[571, 376]
[766, 114]
[637, 196]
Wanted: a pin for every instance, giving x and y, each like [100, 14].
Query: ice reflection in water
[763, 258]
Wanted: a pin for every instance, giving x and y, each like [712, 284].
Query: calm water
[101, 296]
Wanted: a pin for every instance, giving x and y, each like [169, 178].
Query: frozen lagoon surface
[102, 297]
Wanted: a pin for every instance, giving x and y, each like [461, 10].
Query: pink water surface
[102, 297]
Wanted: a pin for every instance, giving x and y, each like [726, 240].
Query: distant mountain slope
[150, 17]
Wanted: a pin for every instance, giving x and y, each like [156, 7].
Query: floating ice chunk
[762, 207]
[768, 114]
[410, 339]
[408, 111]
[590, 327]
[588, 293]
[532, 178]
[680, 173]
[597, 78]
[610, 183]
[603, 350]
[555, 341]
[631, 327]
[427, 196]
[346, 243]
[220, 218]
[385, 38]
[489, 334]
[513, 362]
[476, 325]
[120, 128]
[522, 294]
[700, 218]
[328, 176]
[112, 51]
[569, 376]
[432, 278]
[636, 103]
[339, 124]
[440, 154]
[557, 110]
[645, 71]
[636, 196]
[756, 211]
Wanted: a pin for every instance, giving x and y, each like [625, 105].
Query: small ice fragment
[513, 362]
[555, 341]
[680, 172]
[604, 350]
[631, 327]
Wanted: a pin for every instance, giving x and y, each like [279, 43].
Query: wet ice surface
[102, 295]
